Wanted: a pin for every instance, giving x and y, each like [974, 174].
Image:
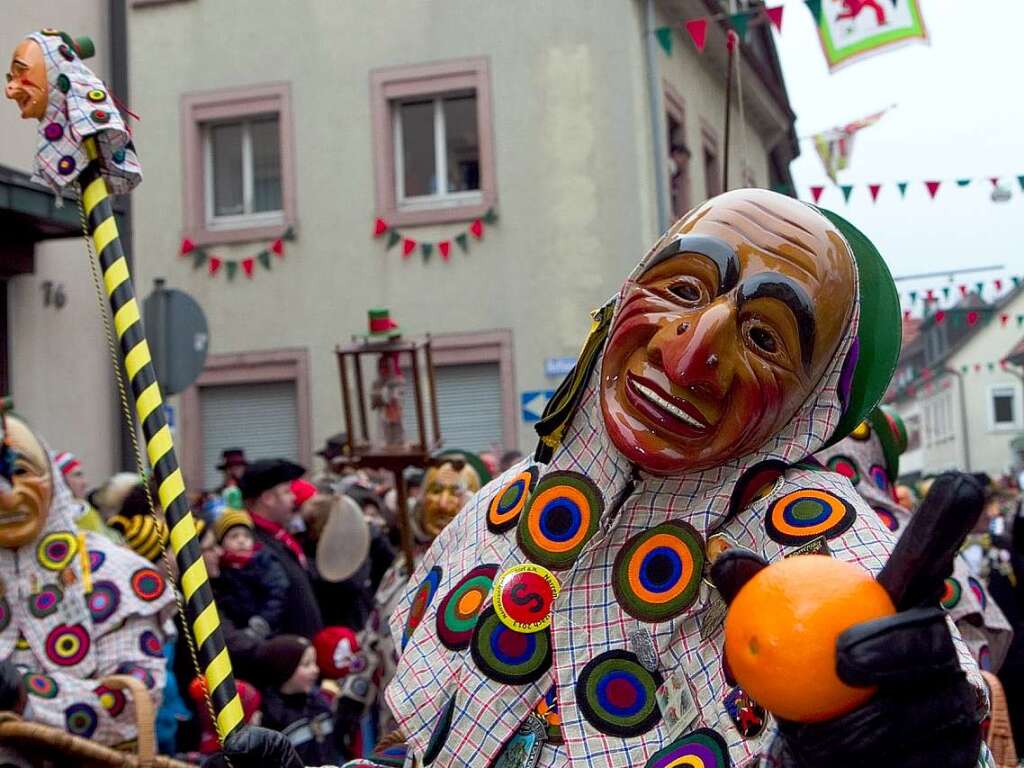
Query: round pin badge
[523, 596]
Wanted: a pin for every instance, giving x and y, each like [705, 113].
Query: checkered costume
[75, 608]
[981, 623]
[79, 106]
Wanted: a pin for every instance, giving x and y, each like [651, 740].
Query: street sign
[557, 367]
[178, 336]
[534, 403]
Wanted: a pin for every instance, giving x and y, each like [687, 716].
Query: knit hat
[251, 702]
[66, 462]
[303, 491]
[146, 536]
[279, 657]
[336, 648]
[229, 519]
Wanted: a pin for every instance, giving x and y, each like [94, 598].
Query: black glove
[347, 715]
[925, 713]
[252, 747]
[12, 688]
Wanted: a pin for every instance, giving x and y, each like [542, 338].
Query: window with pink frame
[433, 139]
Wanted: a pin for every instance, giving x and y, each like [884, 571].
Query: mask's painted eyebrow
[719, 251]
[771, 285]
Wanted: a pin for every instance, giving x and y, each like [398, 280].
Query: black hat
[264, 474]
[334, 446]
[279, 657]
[232, 457]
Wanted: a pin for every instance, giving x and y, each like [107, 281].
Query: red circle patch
[523, 596]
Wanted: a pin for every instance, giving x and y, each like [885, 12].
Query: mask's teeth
[665, 405]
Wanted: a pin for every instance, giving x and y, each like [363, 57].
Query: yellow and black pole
[200, 610]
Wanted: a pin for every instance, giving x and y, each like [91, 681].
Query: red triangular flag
[998, 284]
[977, 367]
[187, 246]
[906, 314]
[408, 246]
[1004, 319]
[698, 31]
[477, 229]
[278, 247]
[963, 289]
[933, 187]
[775, 16]
[994, 180]
[816, 193]
[972, 318]
[873, 188]
[379, 227]
[930, 294]
[940, 316]
[247, 265]
[445, 248]
[214, 265]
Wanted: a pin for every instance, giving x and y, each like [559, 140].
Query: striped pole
[200, 610]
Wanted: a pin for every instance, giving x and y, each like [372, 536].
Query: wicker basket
[1000, 735]
[42, 743]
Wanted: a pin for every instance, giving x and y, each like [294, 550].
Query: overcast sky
[960, 114]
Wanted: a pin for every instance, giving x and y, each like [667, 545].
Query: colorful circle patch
[66, 52]
[888, 518]
[879, 477]
[54, 132]
[802, 516]
[507, 656]
[81, 720]
[507, 504]
[64, 83]
[43, 686]
[111, 699]
[657, 573]
[150, 645]
[617, 695]
[547, 710]
[118, 155]
[392, 756]
[846, 467]
[67, 645]
[561, 515]
[44, 603]
[755, 484]
[56, 550]
[701, 749]
[978, 591]
[96, 95]
[523, 596]
[951, 592]
[96, 559]
[147, 584]
[420, 602]
[103, 600]
[440, 733]
[139, 673]
[66, 165]
[456, 615]
[100, 116]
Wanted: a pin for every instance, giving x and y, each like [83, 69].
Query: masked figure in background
[870, 459]
[450, 481]
[75, 607]
[386, 395]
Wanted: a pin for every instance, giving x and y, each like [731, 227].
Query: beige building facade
[317, 118]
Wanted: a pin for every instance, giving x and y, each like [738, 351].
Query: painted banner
[853, 29]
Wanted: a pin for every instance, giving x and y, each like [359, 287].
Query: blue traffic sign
[534, 404]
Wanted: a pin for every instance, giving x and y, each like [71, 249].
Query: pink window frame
[226, 104]
[709, 142]
[483, 347]
[387, 85]
[290, 364]
[675, 107]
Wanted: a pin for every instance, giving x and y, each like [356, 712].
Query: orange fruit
[781, 631]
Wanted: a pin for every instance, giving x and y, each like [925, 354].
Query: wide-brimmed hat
[335, 446]
[262, 475]
[232, 457]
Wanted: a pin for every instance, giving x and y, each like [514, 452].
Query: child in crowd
[253, 586]
[293, 702]
[251, 702]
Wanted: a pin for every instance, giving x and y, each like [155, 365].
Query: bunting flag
[854, 29]
[847, 189]
[816, 193]
[664, 35]
[903, 188]
[933, 188]
[201, 256]
[874, 188]
[739, 22]
[993, 292]
[427, 248]
[930, 186]
[697, 29]
[775, 17]
[814, 6]
[835, 145]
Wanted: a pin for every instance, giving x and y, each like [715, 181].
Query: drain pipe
[659, 141]
[963, 416]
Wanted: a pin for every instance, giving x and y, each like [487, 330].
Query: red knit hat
[336, 648]
[251, 702]
[303, 491]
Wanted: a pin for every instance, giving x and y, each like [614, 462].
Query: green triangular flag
[903, 188]
[957, 320]
[964, 368]
[664, 35]
[913, 297]
[991, 367]
[814, 6]
[980, 287]
[463, 242]
[945, 292]
[739, 22]
[198, 258]
[962, 182]
[264, 258]
[1020, 320]
[490, 217]
[393, 239]
[289, 234]
[847, 189]
[1020, 180]
[1016, 282]
[427, 249]
[232, 269]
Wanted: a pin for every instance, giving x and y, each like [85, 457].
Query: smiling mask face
[25, 505]
[26, 80]
[725, 331]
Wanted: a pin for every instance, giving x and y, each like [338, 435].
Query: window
[1004, 407]
[678, 151]
[712, 169]
[433, 142]
[939, 425]
[913, 425]
[239, 180]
